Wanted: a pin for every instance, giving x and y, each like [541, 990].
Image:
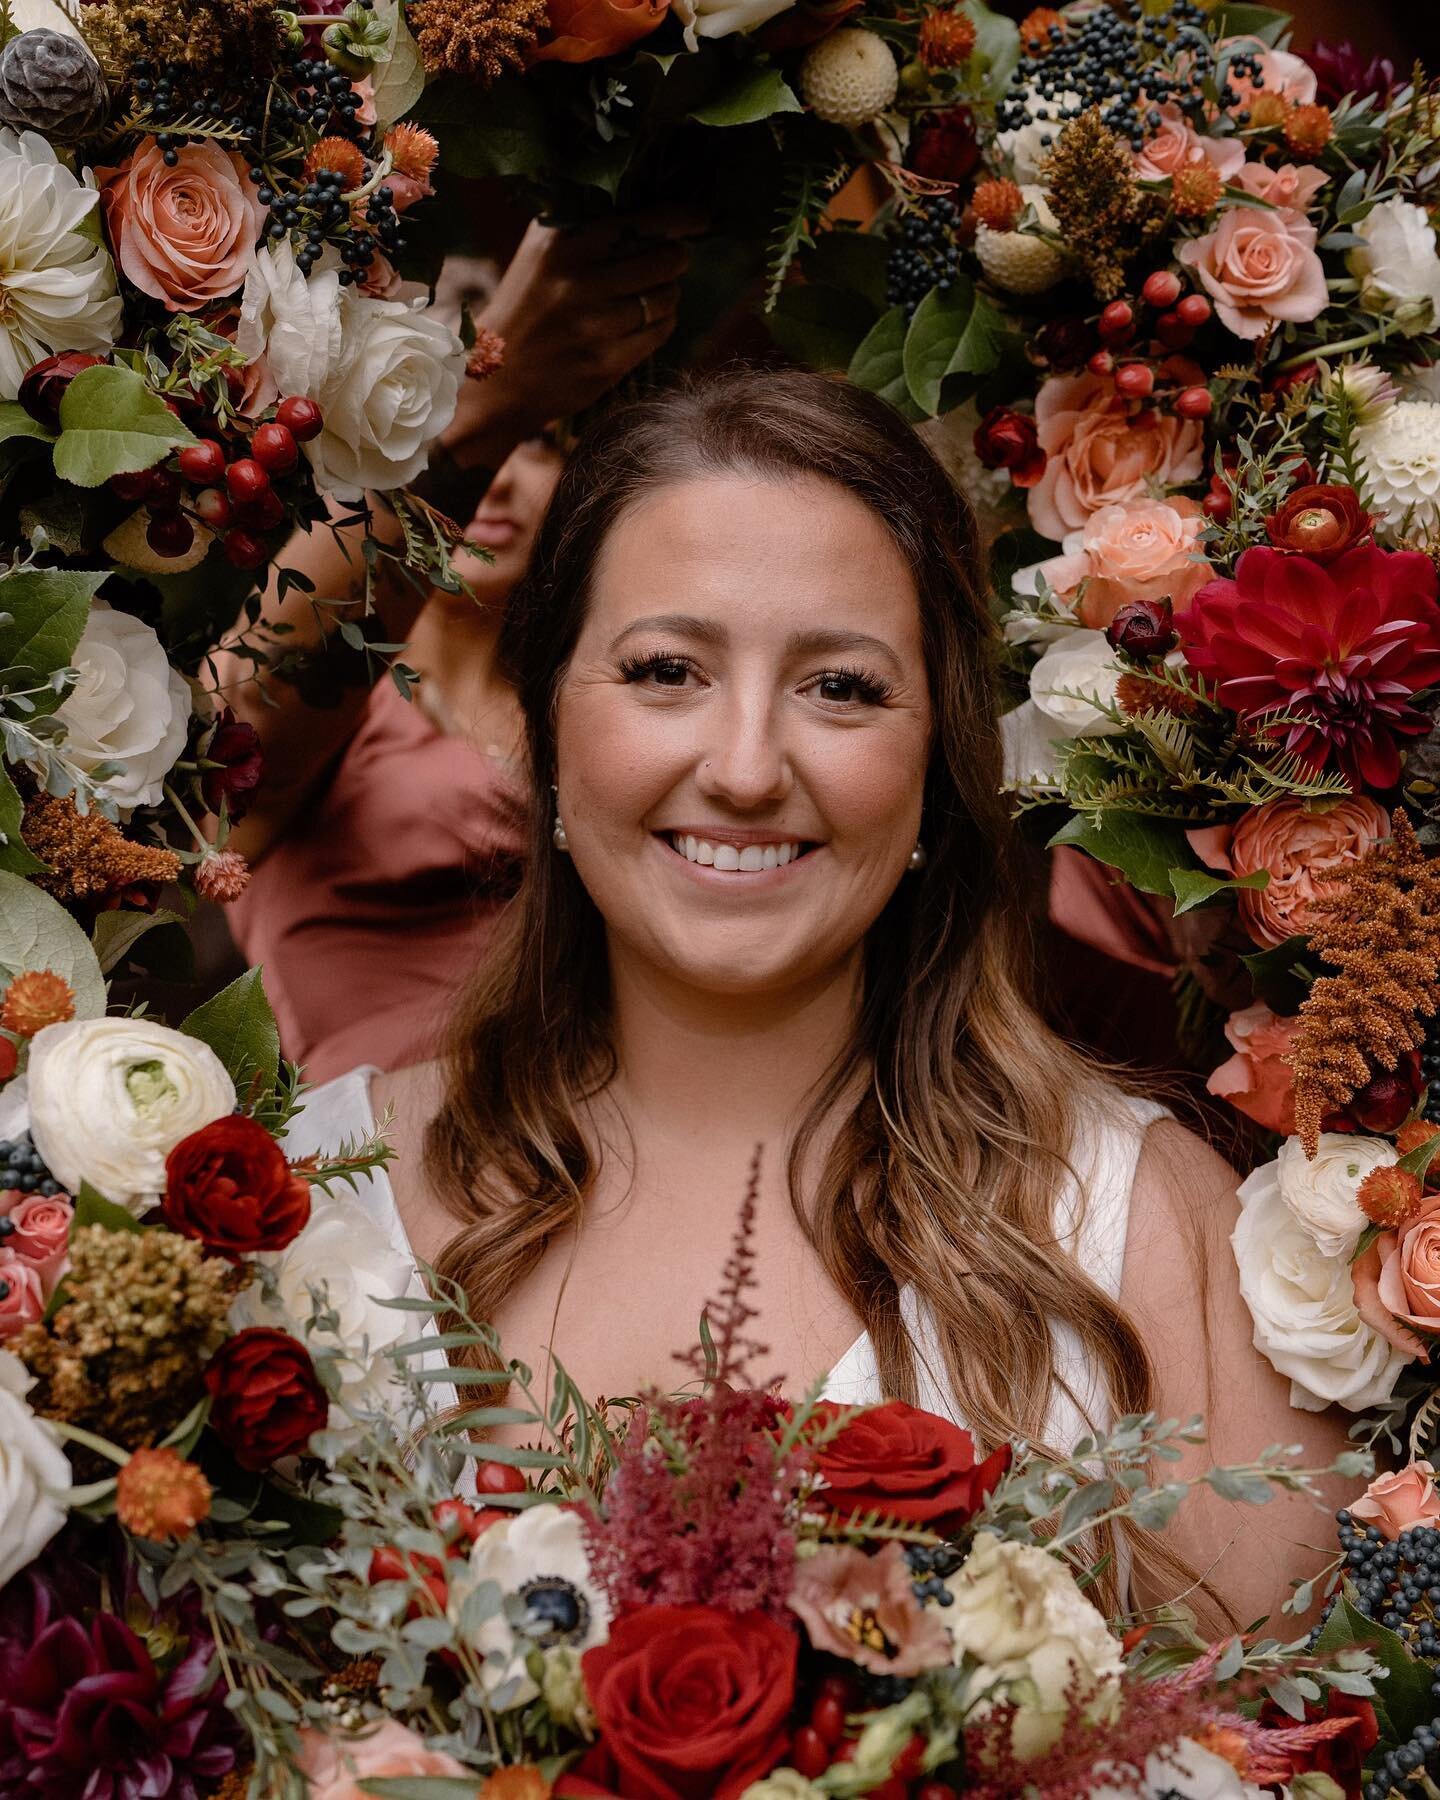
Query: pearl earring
[557, 835]
[918, 859]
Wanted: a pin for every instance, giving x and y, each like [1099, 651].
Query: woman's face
[507, 519]
[743, 731]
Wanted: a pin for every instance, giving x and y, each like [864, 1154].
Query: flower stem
[101, 1446]
[202, 843]
[1351, 343]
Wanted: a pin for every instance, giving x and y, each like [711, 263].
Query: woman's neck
[453, 647]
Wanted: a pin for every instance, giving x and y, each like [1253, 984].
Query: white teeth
[770, 857]
[705, 853]
[784, 853]
[752, 860]
[691, 849]
[727, 857]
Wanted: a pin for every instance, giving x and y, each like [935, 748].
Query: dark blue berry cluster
[930, 1564]
[925, 253]
[22, 1168]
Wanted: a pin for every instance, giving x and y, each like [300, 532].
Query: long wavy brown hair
[943, 1174]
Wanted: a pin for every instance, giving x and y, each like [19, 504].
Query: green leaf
[94, 1209]
[758, 94]
[111, 424]
[1193, 887]
[422, 1787]
[1243, 20]
[42, 615]
[1418, 1160]
[37, 933]
[952, 333]
[240, 1028]
[16, 857]
[1402, 1700]
[1280, 976]
[399, 78]
[997, 47]
[502, 135]
[16, 422]
[1144, 850]
[879, 363]
[116, 933]
[819, 325]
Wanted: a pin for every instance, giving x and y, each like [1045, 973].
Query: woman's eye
[657, 671]
[843, 688]
[669, 674]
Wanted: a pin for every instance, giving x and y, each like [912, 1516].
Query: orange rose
[1398, 1502]
[185, 235]
[1260, 268]
[1299, 848]
[582, 30]
[1409, 1282]
[1141, 550]
[1257, 1080]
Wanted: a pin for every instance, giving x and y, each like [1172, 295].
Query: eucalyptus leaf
[1243, 20]
[399, 78]
[16, 422]
[111, 424]
[94, 1209]
[37, 933]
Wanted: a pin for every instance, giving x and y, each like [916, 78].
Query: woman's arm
[1181, 1288]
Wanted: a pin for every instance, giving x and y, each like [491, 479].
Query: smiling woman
[753, 630]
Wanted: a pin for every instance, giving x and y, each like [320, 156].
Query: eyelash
[870, 689]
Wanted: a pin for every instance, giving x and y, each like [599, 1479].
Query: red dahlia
[1338, 650]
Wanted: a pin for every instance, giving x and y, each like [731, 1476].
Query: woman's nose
[744, 761]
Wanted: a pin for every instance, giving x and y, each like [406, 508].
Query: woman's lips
[492, 534]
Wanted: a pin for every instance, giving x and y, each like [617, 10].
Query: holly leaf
[37, 933]
[1144, 850]
[111, 424]
[1280, 976]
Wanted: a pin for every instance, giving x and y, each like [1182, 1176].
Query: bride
[773, 904]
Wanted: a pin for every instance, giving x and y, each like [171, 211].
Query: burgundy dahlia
[1339, 651]
[232, 748]
[1340, 69]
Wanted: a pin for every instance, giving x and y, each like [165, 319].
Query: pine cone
[51, 83]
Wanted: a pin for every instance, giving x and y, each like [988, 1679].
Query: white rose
[344, 1252]
[719, 18]
[1018, 1611]
[110, 1098]
[1185, 1771]
[127, 706]
[34, 1473]
[1397, 267]
[289, 323]
[1074, 678]
[1321, 1193]
[1028, 145]
[1302, 1302]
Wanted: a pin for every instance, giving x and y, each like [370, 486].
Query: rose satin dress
[370, 911]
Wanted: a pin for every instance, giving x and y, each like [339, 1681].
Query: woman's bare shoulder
[404, 1103]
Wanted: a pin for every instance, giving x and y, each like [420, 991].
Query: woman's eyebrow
[837, 643]
[704, 631]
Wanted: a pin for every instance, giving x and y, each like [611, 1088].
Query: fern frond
[804, 195]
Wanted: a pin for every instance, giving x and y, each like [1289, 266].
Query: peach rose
[337, 1765]
[1398, 1502]
[1102, 453]
[41, 1234]
[1299, 847]
[1289, 185]
[582, 30]
[1281, 72]
[1259, 267]
[23, 1299]
[184, 235]
[1141, 550]
[1408, 1282]
[1365, 1274]
[1176, 145]
[1257, 1080]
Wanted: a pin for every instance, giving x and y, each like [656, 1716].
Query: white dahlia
[1022, 262]
[1396, 264]
[1029, 144]
[1400, 461]
[57, 286]
[849, 77]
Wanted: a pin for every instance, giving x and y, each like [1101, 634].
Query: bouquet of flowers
[206, 341]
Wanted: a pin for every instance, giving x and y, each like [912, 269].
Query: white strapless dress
[1094, 1233]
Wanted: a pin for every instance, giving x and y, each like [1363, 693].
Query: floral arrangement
[251, 1545]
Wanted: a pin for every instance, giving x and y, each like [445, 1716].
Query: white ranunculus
[1302, 1303]
[720, 18]
[1321, 1192]
[1074, 678]
[539, 1557]
[1185, 1771]
[1397, 266]
[291, 322]
[111, 1098]
[34, 1473]
[57, 284]
[348, 1256]
[1400, 460]
[1018, 1612]
[1029, 144]
[127, 706]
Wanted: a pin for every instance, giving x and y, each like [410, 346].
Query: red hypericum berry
[130, 487]
[171, 534]
[1218, 505]
[498, 1478]
[906, 1765]
[262, 514]
[386, 1564]
[202, 463]
[162, 491]
[246, 480]
[173, 407]
[1102, 363]
[1162, 289]
[1193, 403]
[1173, 332]
[1194, 309]
[1135, 380]
[1117, 321]
[1291, 378]
[893, 1789]
[828, 1717]
[213, 507]
[463, 1520]
[844, 1689]
[274, 448]
[302, 418]
[245, 550]
[809, 1753]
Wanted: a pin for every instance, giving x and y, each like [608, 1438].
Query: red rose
[691, 1701]
[234, 748]
[1321, 520]
[907, 1464]
[266, 1397]
[43, 387]
[229, 1185]
[1008, 440]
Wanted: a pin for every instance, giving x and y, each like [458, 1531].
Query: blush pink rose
[41, 1234]
[184, 235]
[1398, 1502]
[1299, 848]
[23, 1299]
[336, 1766]
[1257, 1080]
[1140, 550]
[1101, 451]
[1408, 1284]
[1176, 145]
[1260, 268]
[1291, 185]
[1281, 72]
[1365, 1274]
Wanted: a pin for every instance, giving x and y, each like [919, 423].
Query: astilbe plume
[1378, 926]
[479, 39]
[1105, 217]
[89, 858]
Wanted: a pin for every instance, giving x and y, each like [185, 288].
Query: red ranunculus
[1008, 440]
[1333, 1740]
[43, 387]
[690, 1702]
[229, 1185]
[1340, 648]
[266, 1397]
[1321, 520]
[233, 747]
[944, 148]
[907, 1464]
